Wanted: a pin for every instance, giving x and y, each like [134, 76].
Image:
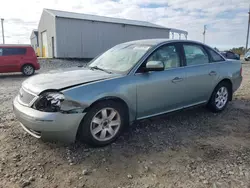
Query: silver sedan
[131, 81]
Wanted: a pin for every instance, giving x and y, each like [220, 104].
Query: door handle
[212, 73]
[177, 79]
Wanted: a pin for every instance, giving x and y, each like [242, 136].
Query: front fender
[122, 88]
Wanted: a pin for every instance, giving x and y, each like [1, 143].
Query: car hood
[56, 80]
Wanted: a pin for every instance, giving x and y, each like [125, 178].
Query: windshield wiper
[98, 68]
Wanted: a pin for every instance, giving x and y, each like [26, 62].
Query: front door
[161, 91]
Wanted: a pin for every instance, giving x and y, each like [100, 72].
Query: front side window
[13, 51]
[167, 55]
[120, 58]
[195, 55]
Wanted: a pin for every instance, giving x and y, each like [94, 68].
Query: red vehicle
[18, 58]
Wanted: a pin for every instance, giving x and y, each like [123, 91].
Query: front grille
[25, 97]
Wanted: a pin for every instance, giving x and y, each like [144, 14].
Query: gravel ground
[191, 148]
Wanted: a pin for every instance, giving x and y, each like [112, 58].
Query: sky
[226, 20]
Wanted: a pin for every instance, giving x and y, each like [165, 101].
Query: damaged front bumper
[49, 126]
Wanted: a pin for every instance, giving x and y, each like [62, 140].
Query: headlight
[57, 102]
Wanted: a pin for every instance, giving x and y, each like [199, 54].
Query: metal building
[34, 40]
[73, 35]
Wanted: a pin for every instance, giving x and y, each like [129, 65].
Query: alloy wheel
[221, 97]
[105, 124]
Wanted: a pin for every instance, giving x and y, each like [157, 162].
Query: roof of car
[15, 45]
[159, 41]
[226, 51]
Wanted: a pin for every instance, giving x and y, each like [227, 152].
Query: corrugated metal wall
[47, 23]
[33, 42]
[87, 39]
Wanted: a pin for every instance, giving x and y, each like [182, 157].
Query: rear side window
[215, 56]
[13, 51]
[195, 55]
[1, 51]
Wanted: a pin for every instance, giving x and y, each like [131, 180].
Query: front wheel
[220, 97]
[103, 123]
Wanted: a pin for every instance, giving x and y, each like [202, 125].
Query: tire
[94, 125]
[28, 70]
[218, 103]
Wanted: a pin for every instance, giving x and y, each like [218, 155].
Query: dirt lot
[191, 148]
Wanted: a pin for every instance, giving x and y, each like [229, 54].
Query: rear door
[12, 58]
[201, 73]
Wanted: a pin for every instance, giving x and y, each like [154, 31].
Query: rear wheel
[28, 70]
[103, 123]
[220, 97]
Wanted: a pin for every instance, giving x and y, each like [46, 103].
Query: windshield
[120, 58]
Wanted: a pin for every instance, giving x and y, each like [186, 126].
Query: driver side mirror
[154, 66]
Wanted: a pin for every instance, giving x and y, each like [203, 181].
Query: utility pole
[204, 34]
[2, 30]
[248, 29]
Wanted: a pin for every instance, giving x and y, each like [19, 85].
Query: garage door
[44, 44]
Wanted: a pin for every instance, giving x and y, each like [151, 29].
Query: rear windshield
[12, 51]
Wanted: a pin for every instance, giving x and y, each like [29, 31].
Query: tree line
[239, 50]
